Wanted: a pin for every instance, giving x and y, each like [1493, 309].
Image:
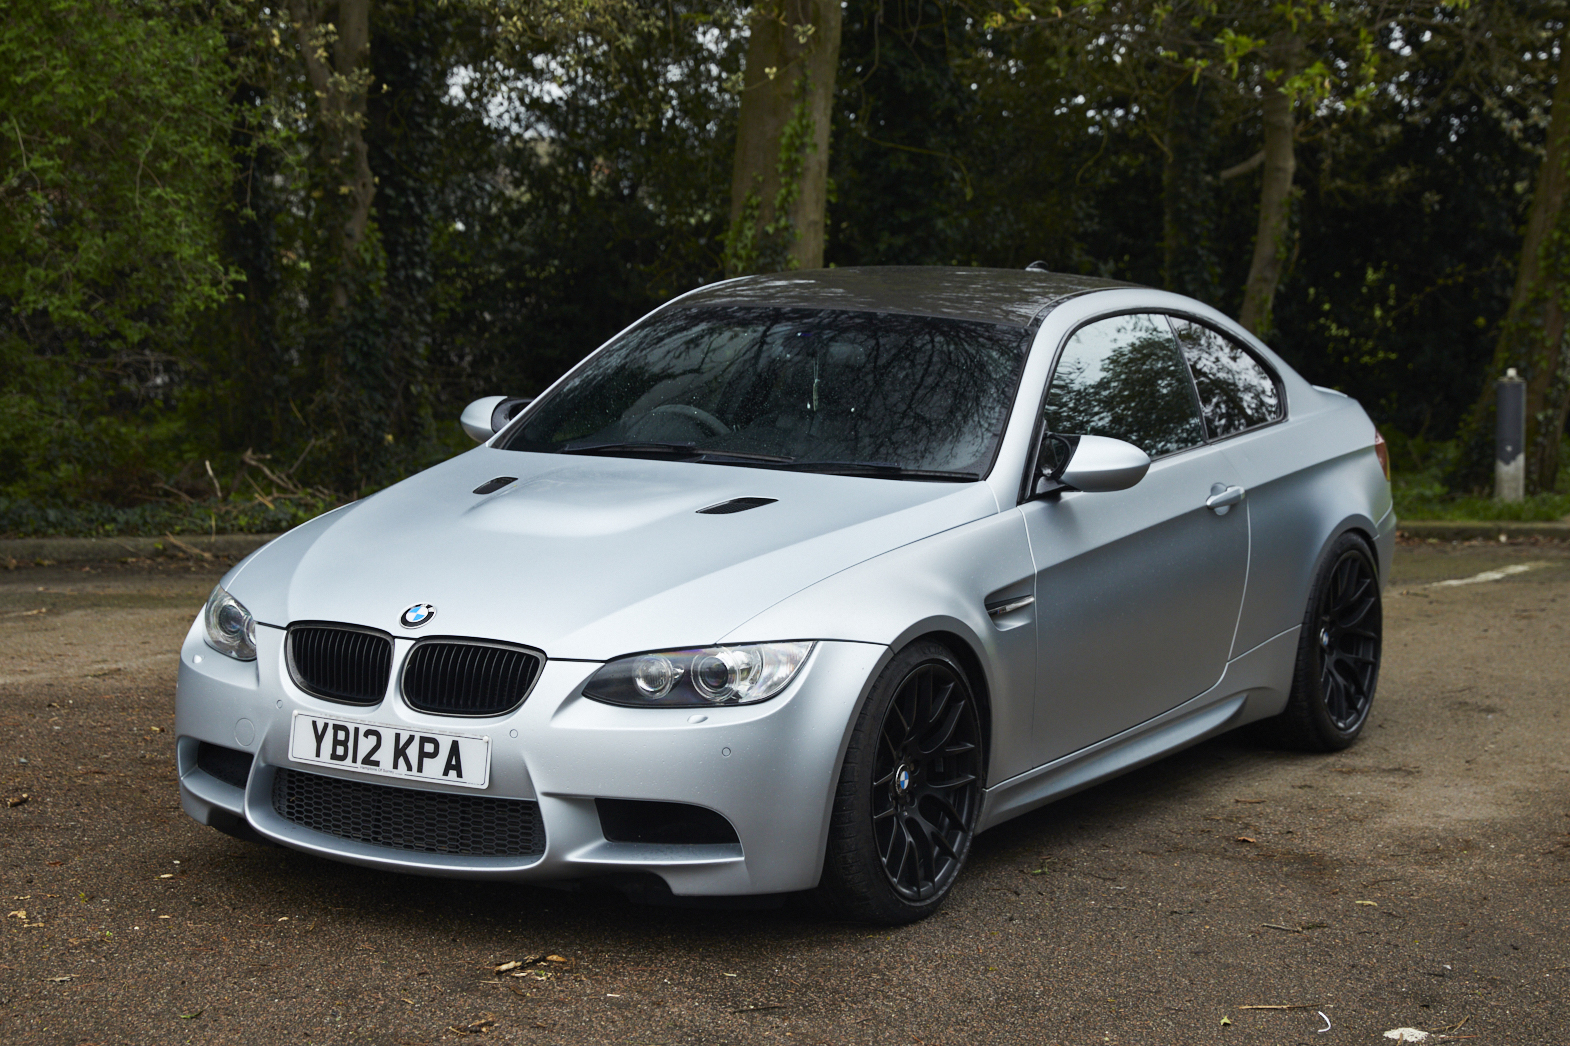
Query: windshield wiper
[881, 469]
[676, 452]
[653, 450]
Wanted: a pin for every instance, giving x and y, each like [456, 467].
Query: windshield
[792, 388]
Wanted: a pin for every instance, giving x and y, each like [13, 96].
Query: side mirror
[1093, 464]
[488, 415]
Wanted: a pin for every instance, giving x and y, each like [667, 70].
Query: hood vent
[725, 508]
[493, 485]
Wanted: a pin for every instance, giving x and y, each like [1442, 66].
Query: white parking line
[1488, 575]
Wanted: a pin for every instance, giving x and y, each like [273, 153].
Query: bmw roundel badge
[417, 615]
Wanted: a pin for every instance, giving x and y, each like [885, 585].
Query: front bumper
[770, 769]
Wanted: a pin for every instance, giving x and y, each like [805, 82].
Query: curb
[44, 552]
[1462, 530]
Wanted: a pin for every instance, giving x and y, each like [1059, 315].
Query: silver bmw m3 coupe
[796, 585]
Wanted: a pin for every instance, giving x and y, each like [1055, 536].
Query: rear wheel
[909, 792]
[1337, 655]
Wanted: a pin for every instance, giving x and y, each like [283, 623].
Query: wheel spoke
[929, 742]
[945, 731]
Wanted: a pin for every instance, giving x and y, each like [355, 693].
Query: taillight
[1382, 452]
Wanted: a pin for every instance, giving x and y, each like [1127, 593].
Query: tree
[779, 180]
[113, 162]
[335, 42]
[1532, 338]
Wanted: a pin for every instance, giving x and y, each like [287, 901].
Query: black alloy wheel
[1338, 654]
[1348, 638]
[909, 794]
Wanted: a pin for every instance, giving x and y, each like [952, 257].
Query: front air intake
[468, 677]
[409, 819]
[340, 662]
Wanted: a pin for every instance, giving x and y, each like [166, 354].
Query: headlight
[230, 627]
[724, 675]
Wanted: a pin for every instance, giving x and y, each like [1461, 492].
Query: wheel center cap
[902, 779]
[1324, 638]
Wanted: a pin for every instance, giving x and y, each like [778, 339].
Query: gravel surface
[1226, 894]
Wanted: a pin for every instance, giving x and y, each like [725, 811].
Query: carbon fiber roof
[1014, 296]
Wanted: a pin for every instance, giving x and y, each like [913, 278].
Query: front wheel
[909, 792]
[1337, 655]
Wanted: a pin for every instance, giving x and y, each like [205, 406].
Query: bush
[1418, 468]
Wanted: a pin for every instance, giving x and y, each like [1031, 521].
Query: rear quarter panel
[1309, 479]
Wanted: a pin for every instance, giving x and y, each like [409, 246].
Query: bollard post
[1510, 438]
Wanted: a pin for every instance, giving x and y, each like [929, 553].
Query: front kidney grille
[455, 677]
[338, 663]
[408, 819]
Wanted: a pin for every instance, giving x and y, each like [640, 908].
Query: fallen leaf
[192, 1016]
[20, 913]
[504, 967]
[61, 979]
[18, 801]
[1226, 1021]
[167, 875]
[554, 958]
[475, 1027]
[1246, 839]
[1370, 904]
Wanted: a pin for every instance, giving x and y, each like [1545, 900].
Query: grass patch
[1418, 470]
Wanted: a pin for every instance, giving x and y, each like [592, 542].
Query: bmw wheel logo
[417, 615]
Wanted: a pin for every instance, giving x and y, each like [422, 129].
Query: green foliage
[115, 120]
[25, 517]
[548, 170]
[112, 162]
[1418, 474]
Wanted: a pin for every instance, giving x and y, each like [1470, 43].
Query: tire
[909, 793]
[1338, 653]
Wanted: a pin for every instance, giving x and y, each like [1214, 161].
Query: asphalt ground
[1226, 894]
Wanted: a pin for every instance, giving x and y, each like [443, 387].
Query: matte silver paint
[1103, 629]
[1101, 465]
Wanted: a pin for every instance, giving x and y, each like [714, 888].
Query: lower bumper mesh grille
[407, 819]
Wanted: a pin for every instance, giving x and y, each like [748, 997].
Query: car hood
[588, 557]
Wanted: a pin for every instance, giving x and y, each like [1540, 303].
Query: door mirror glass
[1090, 463]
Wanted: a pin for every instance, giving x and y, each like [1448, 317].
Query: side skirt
[1253, 686]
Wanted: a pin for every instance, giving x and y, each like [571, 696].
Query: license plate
[391, 751]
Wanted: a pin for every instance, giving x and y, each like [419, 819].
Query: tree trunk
[779, 180]
[1272, 241]
[1533, 337]
[340, 87]
[1188, 196]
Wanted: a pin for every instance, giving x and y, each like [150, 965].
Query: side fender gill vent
[725, 508]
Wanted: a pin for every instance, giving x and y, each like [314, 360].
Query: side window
[1124, 377]
[1235, 390]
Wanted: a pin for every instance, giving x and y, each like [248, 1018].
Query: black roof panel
[1015, 296]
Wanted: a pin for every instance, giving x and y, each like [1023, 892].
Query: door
[1137, 591]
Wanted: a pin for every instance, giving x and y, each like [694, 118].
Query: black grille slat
[409, 819]
[466, 678]
[340, 664]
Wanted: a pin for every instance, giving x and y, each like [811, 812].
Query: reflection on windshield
[806, 385]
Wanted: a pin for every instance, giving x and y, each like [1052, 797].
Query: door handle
[1223, 497]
